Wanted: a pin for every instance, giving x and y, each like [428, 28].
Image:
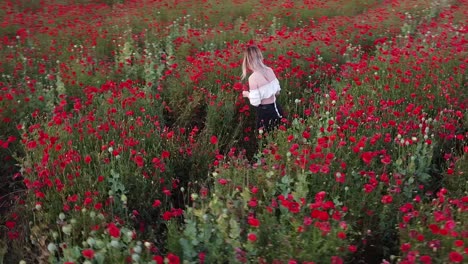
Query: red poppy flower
[173, 259]
[88, 253]
[252, 237]
[156, 203]
[87, 159]
[254, 222]
[455, 257]
[214, 140]
[113, 230]
[386, 199]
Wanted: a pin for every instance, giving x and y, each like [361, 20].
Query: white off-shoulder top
[263, 92]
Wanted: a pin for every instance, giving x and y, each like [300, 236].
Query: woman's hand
[245, 93]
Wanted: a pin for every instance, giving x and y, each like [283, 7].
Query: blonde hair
[253, 60]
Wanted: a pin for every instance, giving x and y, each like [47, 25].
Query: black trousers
[269, 116]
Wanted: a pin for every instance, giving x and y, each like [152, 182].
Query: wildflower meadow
[124, 136]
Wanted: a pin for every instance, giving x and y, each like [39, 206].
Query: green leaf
[99, 258]
[424, 177]
[190, 230]
[188, 249]
[336, 201]
[285, 179]
[235, 229]
[76, 253]
[114, 174]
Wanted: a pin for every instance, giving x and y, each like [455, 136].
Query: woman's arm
[252, 85]
[252, 94]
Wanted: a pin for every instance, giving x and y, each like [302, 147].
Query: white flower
[136, 257]
[66, 229]
[91, 241]
[123, 198]
[137, 249]
[62, 216]
[115, 243]
[51, 247]
[129, 234]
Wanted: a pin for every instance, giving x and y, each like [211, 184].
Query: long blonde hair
[253, 60]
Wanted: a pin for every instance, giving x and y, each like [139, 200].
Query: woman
[263, 89]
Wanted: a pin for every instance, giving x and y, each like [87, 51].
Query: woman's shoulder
[255, 76]
[271, 73]
[268, 72]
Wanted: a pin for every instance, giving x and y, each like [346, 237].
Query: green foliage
[219, 224]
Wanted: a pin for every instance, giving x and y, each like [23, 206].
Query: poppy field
[124, 136]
